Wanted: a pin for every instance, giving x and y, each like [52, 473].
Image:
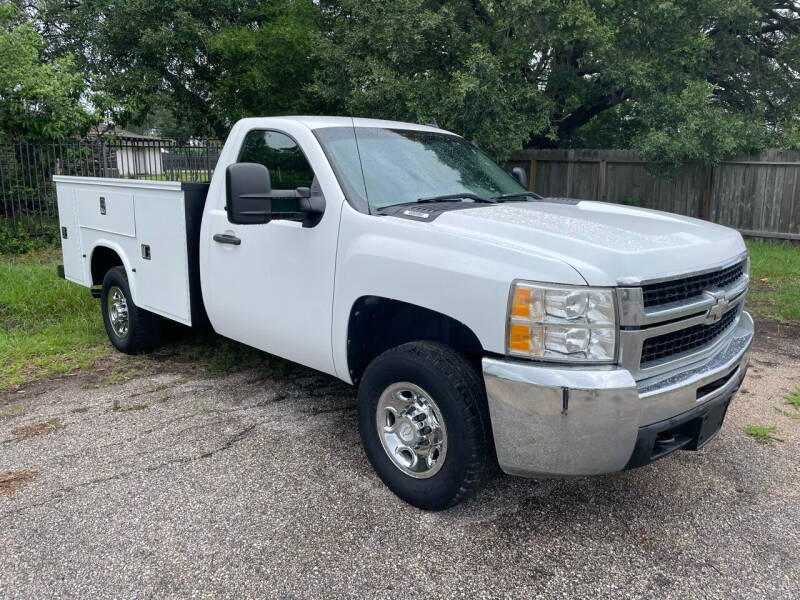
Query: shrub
[27, 236]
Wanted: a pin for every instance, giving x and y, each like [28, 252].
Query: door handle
[227, 238]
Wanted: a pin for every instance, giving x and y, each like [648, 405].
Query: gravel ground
[255, 485]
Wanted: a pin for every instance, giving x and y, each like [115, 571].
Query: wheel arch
[378, 323]
[105, 255]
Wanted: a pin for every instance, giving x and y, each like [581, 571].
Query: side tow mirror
[247, 193]
[250, 198]
[520, 175]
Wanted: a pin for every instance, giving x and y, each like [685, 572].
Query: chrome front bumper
[556, 421]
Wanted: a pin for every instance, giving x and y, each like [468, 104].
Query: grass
[788, 413]
[763, 434]
[10, 411]
[775, 281]
[793, 399]
[47, 325]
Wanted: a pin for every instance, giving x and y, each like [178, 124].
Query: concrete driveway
[254, 485]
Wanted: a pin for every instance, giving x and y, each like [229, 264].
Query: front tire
[424, 424]
[131, 329]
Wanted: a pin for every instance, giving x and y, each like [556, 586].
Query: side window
[288, 167]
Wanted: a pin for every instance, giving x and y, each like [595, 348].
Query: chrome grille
[683, 340]
[676, 290]
[680, 329]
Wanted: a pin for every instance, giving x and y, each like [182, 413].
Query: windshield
[395, 166]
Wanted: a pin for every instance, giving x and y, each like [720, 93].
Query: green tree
[162, 122]
[461, 63]
[207, 62]
[676, 79]
[38, 98]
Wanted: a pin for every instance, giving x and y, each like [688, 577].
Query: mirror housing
[247, 193]
[520, 175]
[250, 199]
[311, 203]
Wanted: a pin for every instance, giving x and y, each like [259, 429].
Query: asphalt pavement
[254, 485]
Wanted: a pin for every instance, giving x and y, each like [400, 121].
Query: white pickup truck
[482, 323]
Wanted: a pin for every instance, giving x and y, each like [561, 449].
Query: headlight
[556, 322]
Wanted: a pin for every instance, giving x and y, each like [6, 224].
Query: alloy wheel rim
[411, 429]
[118, 312]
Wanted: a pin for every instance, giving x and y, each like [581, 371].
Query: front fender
[421, 264]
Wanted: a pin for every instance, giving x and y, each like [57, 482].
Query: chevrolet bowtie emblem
[719, 308]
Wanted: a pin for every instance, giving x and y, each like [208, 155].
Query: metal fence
[758, 195]
[27, 193]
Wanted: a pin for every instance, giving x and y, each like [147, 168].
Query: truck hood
[608, 244]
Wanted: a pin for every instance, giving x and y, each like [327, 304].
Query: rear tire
[424, 424]
[131, 329]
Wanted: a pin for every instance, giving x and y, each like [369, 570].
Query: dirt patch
[160, 387]
[28, 431]
[6, 412]
[130, 407]
[116, 369]
[777, 338]
[11, 481]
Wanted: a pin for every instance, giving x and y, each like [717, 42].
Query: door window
[288, 167]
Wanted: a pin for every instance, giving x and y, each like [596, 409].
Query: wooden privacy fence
[758, 195]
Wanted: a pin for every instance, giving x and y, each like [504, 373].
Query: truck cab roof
[321, 122]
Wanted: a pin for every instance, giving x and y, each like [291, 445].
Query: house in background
[131, 154]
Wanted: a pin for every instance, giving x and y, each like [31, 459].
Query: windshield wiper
[444, 198]
[461, 196]
[505, 197]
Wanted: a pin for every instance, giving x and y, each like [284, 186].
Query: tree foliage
[675, 79]
[417, 60]
[210, 62]
[678, 80]
[38, 98]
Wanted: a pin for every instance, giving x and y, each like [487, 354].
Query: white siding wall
[139, 160]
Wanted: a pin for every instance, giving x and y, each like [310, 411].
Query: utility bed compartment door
[162, 280]
[106, 210]
[71, 250]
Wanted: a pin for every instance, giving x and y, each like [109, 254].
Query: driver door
[270, 285]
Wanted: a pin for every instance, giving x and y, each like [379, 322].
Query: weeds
[24, 239]
[10, 411]
[120, 377]
[788, 413]
[28, 431]
[763, 434]
[793, 399]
